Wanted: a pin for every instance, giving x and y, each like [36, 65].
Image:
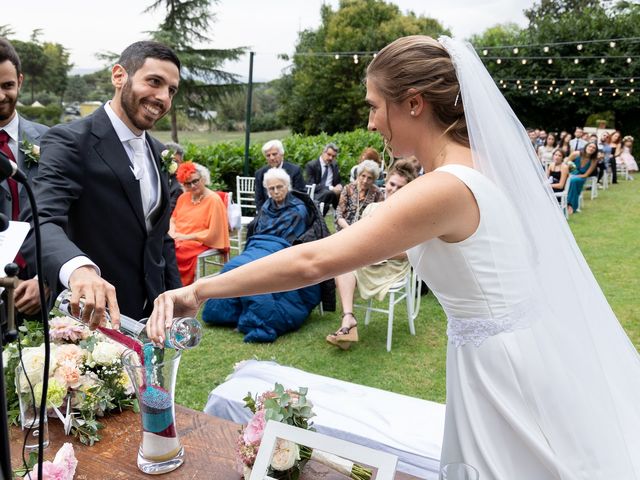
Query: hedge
[225, 160]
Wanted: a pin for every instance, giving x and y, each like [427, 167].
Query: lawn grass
[607, 231]
[208, 138]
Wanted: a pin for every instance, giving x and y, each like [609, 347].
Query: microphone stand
[20, 177]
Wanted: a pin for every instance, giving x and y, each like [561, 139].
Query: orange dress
[208, 221]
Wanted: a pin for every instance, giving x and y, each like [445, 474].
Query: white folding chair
[311, 190]
[592, 184]
[246, 198]
[622, 170]
[563, 196]
[210, 257]
[409, 289]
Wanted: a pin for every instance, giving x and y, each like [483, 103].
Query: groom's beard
[7, 107]
[134, 109]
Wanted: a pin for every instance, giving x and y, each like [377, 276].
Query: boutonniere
[31, 153]
[169, 165]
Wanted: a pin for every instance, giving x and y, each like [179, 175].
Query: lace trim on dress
[476, 330]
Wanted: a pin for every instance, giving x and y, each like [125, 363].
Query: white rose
[5, 358]
[285, 455]
[105, 353]
[35, 149]
[33, 361]
[173, 166]
[164, 153]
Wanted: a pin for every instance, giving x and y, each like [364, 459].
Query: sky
[86, 27]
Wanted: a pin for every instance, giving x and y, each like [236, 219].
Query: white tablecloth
[405, 426]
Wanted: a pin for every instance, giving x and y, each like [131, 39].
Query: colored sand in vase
[159, 440]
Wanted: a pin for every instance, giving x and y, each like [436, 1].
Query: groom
[103, 196]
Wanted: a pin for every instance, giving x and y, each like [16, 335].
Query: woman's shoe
[344, 336]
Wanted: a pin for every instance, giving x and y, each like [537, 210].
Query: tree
[325, 94]
[202, 81]
[34, 61]
[554, 31]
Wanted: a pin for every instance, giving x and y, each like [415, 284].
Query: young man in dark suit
[325, 174]
[103, 195]
[18, 134]
[273, 151]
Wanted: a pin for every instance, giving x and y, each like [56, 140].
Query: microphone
[9, 169]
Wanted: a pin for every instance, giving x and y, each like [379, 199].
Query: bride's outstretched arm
[435, 205]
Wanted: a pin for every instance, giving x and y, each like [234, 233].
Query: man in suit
[16, 133]
[273, 151]
[325, 174]
[577, 142]
[103, 194]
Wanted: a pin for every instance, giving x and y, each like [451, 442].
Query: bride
[542, 382]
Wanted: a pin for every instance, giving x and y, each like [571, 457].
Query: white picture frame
[385, 463]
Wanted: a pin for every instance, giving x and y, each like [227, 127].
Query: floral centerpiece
[86, 377]
[293, 408]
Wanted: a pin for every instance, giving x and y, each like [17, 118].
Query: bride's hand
[182, 302]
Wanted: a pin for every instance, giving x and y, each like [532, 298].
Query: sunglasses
[192, 183]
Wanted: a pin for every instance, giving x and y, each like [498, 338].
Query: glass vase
[30, 410]
[154, 378]
[458, 471]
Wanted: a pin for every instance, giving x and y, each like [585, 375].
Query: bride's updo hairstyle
[421, 63]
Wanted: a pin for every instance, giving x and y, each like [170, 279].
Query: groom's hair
[134, 56]
[7, 52]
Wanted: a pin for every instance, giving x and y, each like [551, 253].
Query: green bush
[49, 115]
[225, 160]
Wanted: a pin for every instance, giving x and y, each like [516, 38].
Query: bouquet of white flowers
[86, 377]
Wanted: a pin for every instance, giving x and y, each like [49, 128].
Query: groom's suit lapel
[109, 148]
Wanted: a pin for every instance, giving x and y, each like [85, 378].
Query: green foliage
[49, 115]
[322, 94]
[225, 160]
[94, 86]
[557, 21]
[202, 80]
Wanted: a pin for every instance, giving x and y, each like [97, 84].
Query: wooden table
[208, 441]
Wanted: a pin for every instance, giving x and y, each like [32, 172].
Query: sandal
[344, 336]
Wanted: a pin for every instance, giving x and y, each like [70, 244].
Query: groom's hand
[97, 295]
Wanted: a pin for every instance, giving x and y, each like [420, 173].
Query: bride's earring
[413, 113]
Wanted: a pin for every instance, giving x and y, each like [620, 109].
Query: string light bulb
[631, 80]
[612, 44]
[524, 61]
[515, 50]
[550, 61]
[355, 59]
[579, 46]
[602, 60]
[629, 60]
[572, 82]
[499, 61]
[553, 82]
[337, 57]
[591, 82]
[485, 52]
[576, 60]
[545, 49]
[611, 80]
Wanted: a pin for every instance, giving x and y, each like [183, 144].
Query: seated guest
[273, 151]
[324, 173]
[557, 171]
[368, 154]
[374, 280]
[175, 187]
[357, 195]
[626, 157]
[198, 223]
[586, 163]
[287, 217]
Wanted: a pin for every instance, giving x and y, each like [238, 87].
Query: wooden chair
[408, 289]
[246, 198]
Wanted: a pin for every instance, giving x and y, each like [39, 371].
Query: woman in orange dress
[198, 223]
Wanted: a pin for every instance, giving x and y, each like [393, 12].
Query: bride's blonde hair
[421, 63]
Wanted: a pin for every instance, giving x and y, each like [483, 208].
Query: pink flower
[68, 374]
[255, 429]
[70, 352]
[63, 466]
[67, 329]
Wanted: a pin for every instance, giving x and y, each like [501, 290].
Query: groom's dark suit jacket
[89, 204]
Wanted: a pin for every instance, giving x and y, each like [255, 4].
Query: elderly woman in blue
[586, 162]
[283, 214]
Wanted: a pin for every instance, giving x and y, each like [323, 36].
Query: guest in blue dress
[586, 162]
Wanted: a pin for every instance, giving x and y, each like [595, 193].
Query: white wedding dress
[508, 412]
